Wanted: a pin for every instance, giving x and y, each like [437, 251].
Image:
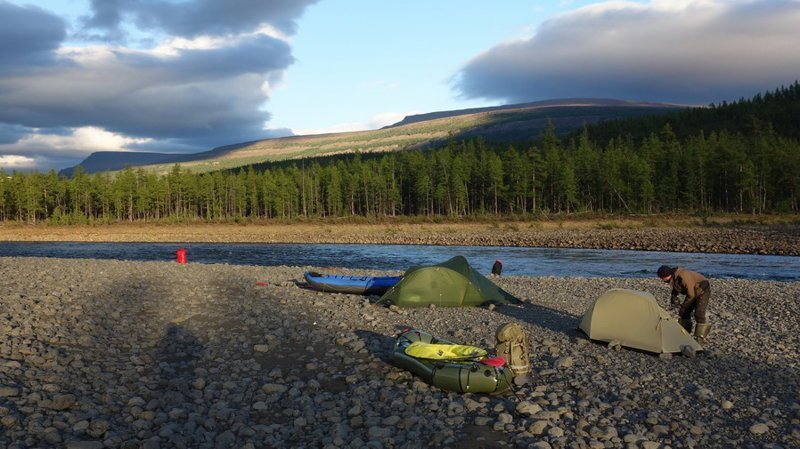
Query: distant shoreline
[680, 235]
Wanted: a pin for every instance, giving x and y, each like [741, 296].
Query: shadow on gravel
[544, 317]
[379, 345]
[480, 437]
[175, 358]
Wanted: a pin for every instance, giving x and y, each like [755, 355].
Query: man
[697, 291]
[497, 268]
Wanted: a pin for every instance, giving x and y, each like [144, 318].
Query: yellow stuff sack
[433, 351]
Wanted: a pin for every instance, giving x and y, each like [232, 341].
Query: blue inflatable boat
[356, 285]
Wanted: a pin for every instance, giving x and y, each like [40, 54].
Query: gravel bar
[120, 354]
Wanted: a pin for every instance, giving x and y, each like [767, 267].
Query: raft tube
[354, 285]
[462, 376]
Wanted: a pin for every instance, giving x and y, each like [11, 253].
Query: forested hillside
[742, 157]
[777, 111]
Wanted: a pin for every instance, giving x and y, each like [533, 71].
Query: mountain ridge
[506, 123]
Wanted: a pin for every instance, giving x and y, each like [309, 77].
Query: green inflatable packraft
[459, 368]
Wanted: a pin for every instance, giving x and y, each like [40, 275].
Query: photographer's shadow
[543, 317]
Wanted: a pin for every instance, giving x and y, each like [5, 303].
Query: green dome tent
[635, 319]
[449, 284]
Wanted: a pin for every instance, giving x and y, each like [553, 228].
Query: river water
[516, 261]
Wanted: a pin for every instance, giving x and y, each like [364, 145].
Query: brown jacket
[685, 282]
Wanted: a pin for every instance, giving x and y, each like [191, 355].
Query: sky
[184, 76]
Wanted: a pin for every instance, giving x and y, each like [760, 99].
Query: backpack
[513, 345]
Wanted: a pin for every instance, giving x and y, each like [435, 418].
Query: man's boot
[701, 331]
[686, 324]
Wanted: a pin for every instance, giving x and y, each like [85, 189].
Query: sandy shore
[725, 237]
[122, 354]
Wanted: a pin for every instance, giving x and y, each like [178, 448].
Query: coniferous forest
[741, 157]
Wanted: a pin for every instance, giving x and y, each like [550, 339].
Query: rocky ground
[118, 354]
[779, 239]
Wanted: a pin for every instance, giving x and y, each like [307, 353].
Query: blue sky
[78, 76]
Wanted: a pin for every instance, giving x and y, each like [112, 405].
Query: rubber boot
[701, 331]
[686, 324]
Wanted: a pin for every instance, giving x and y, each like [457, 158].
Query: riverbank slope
[639, 234]
[123, 354]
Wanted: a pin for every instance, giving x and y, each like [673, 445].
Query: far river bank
[629, 234]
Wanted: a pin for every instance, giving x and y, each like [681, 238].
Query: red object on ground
[180, 256]
[262, 283]
[494, 361]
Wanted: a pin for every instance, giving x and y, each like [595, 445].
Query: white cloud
[16, 162]
[202, 94]
[375, 122]
[687, 51]
[337, 128]
[387, 118]
[172, 47]
[199, 80]
[81, 141]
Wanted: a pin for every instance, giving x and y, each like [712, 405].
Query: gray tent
[635, 319]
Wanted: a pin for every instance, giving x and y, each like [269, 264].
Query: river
[517, 261]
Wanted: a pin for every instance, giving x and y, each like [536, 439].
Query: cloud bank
[203, 84]
[682, 51]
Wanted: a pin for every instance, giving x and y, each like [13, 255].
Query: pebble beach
[116, 354]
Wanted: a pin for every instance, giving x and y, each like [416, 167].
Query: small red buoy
[180, 256]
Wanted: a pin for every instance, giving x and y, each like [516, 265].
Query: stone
[9, 422]
[564, 362]
[726, 405]
[80, 426]
[759, 429]
[225, 439]
[538, 427]
[9, 392]
[379, 432]
[482, 420]
[659, 429]
[471, 405]
[63, 402]
[528, 408]
[274, 388]
[391, 421]
[505, 418]
[84, 445]
[97, 428]
[261, 348]
[52, 436]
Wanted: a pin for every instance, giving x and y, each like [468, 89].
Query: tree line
[718, 172]
[741, 157]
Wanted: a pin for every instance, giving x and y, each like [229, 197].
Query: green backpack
[513, 345]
